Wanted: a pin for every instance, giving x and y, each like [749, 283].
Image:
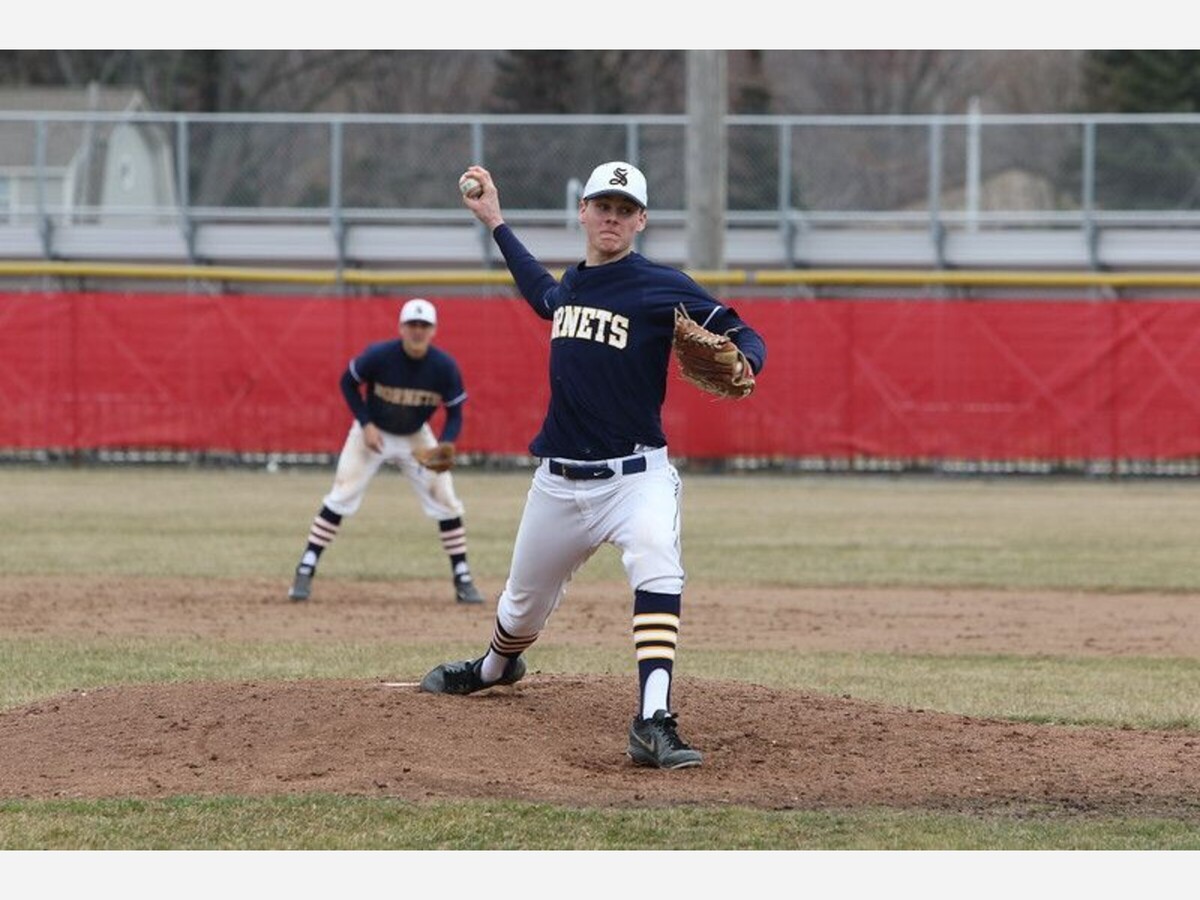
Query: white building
[90, 171]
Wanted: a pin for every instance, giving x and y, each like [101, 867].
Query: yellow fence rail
[481, 277]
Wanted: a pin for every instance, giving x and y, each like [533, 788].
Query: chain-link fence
[887, 172]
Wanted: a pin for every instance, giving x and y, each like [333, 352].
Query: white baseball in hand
[470, 187]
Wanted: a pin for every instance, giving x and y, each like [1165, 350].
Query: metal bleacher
[937, 193]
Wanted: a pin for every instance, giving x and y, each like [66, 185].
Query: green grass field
[788, 531]
[768, 529]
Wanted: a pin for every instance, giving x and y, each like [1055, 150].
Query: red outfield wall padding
[913, 379]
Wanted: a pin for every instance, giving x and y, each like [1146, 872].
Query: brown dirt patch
[813, 619]
[763, 747]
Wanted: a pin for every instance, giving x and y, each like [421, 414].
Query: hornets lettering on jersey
[407, 396]
[588, 323]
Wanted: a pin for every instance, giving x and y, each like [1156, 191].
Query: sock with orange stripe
[655, 634]
[503, 649]
[325, 526]
[453, 535]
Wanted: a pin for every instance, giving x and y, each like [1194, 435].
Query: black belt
[630, 466]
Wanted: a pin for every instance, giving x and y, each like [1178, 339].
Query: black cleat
[301, 588]
[465, 590]
[464, 677]
[655, 742]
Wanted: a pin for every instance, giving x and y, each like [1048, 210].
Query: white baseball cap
[617, 177]
[418, 310]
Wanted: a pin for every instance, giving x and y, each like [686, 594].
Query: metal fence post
[336, 219]
[574, 191]
[973, 164]
[477, 152]
[1088, 194]
[183, 188]
[632, 151]
[787, 227]
[45, 226]
[937, 230]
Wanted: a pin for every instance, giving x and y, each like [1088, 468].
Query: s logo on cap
[418, 309]
[617, 177]
[620, 177]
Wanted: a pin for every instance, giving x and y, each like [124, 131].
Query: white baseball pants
[358, 464]
[565, 521]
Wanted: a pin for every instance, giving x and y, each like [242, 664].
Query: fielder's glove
[439, 458]
[712, 362]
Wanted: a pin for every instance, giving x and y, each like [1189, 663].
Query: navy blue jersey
[610, 347]
[402, 392]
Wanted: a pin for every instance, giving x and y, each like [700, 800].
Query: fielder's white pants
[566, 521]
[358, 464]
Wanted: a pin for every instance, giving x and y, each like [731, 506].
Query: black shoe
[465, 590]
[655, 742]
[301, 588]
[464, 677]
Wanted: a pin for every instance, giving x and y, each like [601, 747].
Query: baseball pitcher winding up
[604, 475]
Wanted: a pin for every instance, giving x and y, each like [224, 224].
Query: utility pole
[707, 158]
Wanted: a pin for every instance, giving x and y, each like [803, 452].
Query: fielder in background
[604, 475]
[405, 381]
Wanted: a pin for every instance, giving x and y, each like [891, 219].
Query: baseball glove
[712, 362]
[439, 458]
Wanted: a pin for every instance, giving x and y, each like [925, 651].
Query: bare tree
[589, 81]
[616, 81]
[423, 81]
[905, 82]
[1031, 81]
[270, 80]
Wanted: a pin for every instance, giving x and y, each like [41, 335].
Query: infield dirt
[561, 738]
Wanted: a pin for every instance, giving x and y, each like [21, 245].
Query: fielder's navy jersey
[402, 392]
[610, 347]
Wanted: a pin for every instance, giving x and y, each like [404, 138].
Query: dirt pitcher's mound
[751, 617]
[561, 739]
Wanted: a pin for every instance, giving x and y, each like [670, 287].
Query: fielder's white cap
[617, 177]
[418, 310]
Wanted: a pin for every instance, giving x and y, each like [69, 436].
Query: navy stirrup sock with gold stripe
[655, 634]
